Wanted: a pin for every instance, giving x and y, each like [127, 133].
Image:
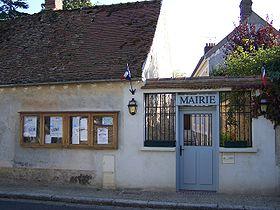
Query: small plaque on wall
[228, 158]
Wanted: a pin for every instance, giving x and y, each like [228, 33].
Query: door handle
[181, 149]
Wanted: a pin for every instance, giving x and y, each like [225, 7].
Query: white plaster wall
[252, 172]
[158, 63]
[133, 168]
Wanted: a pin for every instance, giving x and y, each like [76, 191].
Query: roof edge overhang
[68, 82]
[198, 83]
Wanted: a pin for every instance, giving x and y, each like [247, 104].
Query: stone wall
[43, 176]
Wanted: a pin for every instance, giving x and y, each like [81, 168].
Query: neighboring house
[68, 119]
[214, 54]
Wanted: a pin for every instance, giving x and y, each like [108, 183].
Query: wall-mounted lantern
[264, 104]
[132, 106]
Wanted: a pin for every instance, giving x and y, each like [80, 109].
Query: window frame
[66, 128]
[236, 143]
[159, 143]
[43, 135]
[21, 137]
[89, 127]
[114, 144]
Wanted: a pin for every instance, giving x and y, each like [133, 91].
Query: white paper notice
[102, 135]
[83, 129]
[48, 139]
[56, 127]
[30, 127]
[75, 130]
[107, 120]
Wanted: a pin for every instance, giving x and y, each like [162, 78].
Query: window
[30, 131]
[105, 131]
[235, 119]
[53, 129]
[198, 129]
[70, 130]
[79, 127]
[160, 120]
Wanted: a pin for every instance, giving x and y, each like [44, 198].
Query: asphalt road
[7, 204]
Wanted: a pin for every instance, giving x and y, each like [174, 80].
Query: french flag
[127, 74]
[263, 77]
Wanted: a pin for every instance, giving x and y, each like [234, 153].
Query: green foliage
[8, 8]
[244, 63]
[76, 4]
[248, 50]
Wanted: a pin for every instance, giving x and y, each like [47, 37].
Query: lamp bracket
[132, 91]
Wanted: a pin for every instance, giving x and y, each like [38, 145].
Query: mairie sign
[197, 99]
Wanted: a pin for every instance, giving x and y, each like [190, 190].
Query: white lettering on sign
[198, 100]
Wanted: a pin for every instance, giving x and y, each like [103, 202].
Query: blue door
[197, 150]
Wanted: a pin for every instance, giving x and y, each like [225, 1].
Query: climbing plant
[248, 50]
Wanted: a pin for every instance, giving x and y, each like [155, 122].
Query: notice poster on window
[56, 127]
[102, 136]
[107, 120]
[75, 130]
[48, 139]
[30, 127]
[83, 129]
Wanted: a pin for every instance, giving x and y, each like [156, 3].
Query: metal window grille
[160, 120]
[235, 119]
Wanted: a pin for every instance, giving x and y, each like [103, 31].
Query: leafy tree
[245, 63]
[248, 50]
[249, 38]
[76, 4]
[9, 8]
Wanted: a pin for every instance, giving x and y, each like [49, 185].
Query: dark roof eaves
[65, 82]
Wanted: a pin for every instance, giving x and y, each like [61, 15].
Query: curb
[126, 202]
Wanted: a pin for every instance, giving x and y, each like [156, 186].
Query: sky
[192, 24]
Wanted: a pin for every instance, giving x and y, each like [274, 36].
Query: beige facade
[131, 165]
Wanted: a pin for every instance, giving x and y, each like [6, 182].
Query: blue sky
[191, 24]
[35, 5]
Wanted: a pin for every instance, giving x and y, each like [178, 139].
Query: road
[7, 204]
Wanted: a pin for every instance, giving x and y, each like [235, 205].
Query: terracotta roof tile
[78, 45]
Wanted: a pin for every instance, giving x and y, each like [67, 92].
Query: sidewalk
[143, 199]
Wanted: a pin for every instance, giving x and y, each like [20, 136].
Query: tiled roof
[196, 83]
[78, 45]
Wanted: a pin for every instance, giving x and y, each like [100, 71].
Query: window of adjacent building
[160, 120]
[235, 119]
[70, 130]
